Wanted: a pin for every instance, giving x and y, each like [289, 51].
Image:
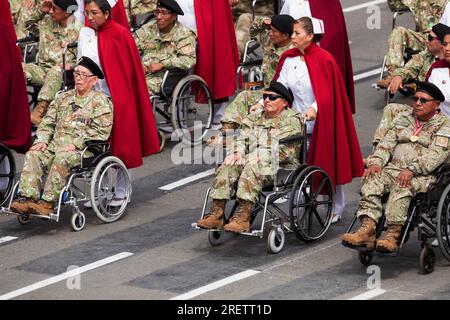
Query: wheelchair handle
[251, 63]
[72, 45]
[28, 39]
[297, 137]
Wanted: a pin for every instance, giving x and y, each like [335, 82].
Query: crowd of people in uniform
[307, 76]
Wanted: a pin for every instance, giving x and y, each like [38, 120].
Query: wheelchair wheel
[192, 109]
[110, 189]
[162, 140]
[7, 173]
[78, 221]
[443, 223]
[275, 240]
[365, 257]
[215, 237]
[426, 260]
[311, 204]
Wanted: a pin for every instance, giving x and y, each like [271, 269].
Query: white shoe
[335, 218]
[88, 204]
[116, 203]
[281, 200]
[435, 243]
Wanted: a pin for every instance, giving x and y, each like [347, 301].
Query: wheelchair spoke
[2, 157]
[318, 218]
[322, 184]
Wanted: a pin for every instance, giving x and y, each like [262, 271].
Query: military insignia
[414, 138]
[442, 141]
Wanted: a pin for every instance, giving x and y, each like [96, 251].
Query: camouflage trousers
[58, 166]
[154, 82]
[50, 79]
[401, 39]
[249, 179]
[238, 108]
[399, 197]
[386, 122]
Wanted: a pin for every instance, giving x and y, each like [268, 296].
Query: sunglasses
[431, 38]
[422, 100]
[272, 97]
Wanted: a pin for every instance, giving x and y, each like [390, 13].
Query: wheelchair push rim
[443, 223]
[7, 173]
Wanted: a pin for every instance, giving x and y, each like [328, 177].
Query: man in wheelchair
[402, 165]
[250, 164]
[73, 118]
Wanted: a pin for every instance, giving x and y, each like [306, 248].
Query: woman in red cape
[334, 144]
[15, 126]
[134, 133]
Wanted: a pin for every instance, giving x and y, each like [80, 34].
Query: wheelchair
[429, 212]
[100, 178]
[309, 211]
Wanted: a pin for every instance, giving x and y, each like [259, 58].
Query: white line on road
[65, 275]
[6, 239]
[367, 74]
[363, 5]
[369, 294]
[187, 180]
[215, 285]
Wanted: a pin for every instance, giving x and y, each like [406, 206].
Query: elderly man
[402, 164]
[165, 44]
[250, 165]
[73, 118]
[56, 31]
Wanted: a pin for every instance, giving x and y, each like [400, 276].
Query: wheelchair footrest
[358, 248]
[7, 211]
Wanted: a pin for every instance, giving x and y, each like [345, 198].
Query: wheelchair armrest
[297, 137]
[445, 167]
[72, 45]
[28, 39]
[96, 142]
[94, 146]
[251, 63]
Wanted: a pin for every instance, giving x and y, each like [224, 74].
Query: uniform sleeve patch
[442, 141]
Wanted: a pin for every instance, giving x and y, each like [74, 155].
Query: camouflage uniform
[426, 14]
[27, 19]
[395, 153]
[52, 40]
[256, 140]
[175, 49]
[417, 68]
[60, 127]
[139, 7]
[387, 120]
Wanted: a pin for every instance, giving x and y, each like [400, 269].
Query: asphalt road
[156, 254]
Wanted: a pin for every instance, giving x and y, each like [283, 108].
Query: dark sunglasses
[431, 38]
[422, 100]
[272, 97]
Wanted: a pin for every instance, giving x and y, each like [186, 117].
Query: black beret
[171, 5]
[430, 89]
[283, 23]
[441, 30]
[72, 5]
[92, 66]
[284, 92]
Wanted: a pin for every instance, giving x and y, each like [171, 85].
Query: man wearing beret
[402, 164]
[164, 43]
[250, 162]
[72, 119]
[56, 31]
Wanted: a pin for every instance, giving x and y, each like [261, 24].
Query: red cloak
[134, 133]
[118, 14]
[217, 52]
[334, 145]
[335, 40]
[15, 125]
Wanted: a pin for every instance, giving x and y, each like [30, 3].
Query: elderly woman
[319, 91]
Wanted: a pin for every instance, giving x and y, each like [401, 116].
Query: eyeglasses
[162, 12]
[431, 38]
[82, 76]
[422, 100]
[272, 97]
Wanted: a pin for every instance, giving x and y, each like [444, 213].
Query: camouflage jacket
[73, 119]
[259, 135]
[262, 8]
[139, 6]
[14, 7]
[416, 69]
[426, 12]
[421, 157]
[175, 49]
[53, 38]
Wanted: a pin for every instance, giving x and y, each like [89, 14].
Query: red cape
[15, 125]
[217, 52]
[334, 145]
[335, 40]
[134, 133]
[436, 65]
[118, 15]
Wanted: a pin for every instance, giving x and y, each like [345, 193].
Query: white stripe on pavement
[6, 239]
[187, 180]
[363, 5]
[369, 294]
[65, 275]
[216, 285]
[367, 74]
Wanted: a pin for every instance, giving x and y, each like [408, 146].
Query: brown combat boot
[42, 208]
[214, 220]
[21, 205]
[389, 241]
[227, 128]
[384, 83]
[39, 112]
[240, 220]
[365, 236]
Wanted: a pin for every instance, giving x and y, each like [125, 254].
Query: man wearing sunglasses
[250, 162]
[72, 119]
[402, 164]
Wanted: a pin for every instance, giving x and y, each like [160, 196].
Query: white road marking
[363, 5]
[187, 180]
[369, 294]
[215, 285]
[6, 239]
[64, 276]
[367, 74]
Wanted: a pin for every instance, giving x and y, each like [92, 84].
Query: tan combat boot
[365, 236]
[215, 219]
[42, 208]
[21, 205]
[227, 128]
[39, 112]
[384, 83]
[240, 220]
[389, 241]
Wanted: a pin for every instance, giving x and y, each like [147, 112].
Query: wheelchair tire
[7, 163]
[443, 223]
[78, 221]
[426, 260]
[189, 112]
[215, 237]
[365, 257]
[104, 190]
[275, 240]
[303, 212]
